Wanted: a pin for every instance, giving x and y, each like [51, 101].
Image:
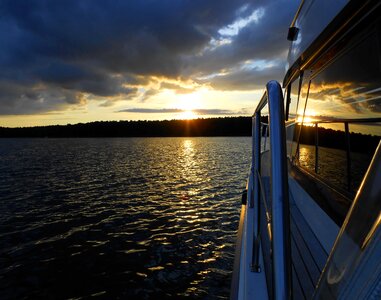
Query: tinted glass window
[344, 102]
[292, 105]
[313, 18]
[298, 109]
[294, 95]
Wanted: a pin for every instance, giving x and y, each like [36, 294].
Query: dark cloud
[216, 112]
[246, 79]
[37, 99]
[262, 40]
[152, 110]
[176, 87]
[148, 94]
[56, 53]
[178, 110]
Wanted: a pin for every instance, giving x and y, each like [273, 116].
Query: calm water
[119, 218]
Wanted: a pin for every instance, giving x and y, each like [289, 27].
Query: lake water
[139, 218]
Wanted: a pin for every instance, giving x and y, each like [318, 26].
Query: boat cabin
[311, 215]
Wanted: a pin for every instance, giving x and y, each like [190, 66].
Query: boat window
[294, 98]
[298, 109]
[341, 126]
[291, 106]
[313, 18]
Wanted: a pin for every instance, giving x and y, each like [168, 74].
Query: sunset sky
[86, 60]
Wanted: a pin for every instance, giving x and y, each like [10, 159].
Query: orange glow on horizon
[307, 120]
[187, 115]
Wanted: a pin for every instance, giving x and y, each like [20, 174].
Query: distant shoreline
[210, 127]
[223, 126]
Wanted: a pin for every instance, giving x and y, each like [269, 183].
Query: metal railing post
[253, 163]
[348, 150]
[280, 212]
[316, 147]
[279, 194]
[257, 167]
[257, 154]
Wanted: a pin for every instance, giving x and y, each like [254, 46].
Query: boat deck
[308, 256]
[312, 236]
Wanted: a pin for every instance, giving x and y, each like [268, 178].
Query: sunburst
[187, 115]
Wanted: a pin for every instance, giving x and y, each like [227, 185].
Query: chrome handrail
[280, 219]
[297, 14]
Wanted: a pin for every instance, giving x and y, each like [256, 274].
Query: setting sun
[187, 115]
[189, 102]
[306, 120]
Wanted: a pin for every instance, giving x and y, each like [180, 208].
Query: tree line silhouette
[228, 126]
[224, 126]
[362, 143]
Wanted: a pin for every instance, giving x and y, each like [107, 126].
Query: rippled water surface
[142, 218]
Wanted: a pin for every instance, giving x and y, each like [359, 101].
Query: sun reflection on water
[189, 165]
[188, 146]
[166, 210]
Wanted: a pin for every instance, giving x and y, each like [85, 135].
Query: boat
[310, 216]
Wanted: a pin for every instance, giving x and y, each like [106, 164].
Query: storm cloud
[212, 111]
[60, 54]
